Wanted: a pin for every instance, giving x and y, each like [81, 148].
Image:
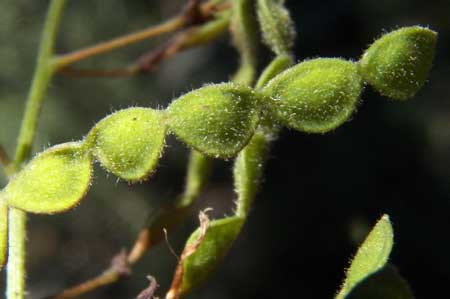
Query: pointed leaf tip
[371, 256]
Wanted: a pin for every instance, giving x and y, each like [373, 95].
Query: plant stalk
[16, 272]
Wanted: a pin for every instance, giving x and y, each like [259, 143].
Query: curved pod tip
[54, 181]
[397, 64]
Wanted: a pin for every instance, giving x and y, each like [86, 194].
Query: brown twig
[166, 217]
[189, 38]
[145, 64]
[193, 14]
[149, 292]
[4, 158]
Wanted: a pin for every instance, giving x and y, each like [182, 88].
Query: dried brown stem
[174, 291]
[120, 267]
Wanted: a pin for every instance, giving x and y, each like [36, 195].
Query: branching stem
[179, 22]
[16, 272]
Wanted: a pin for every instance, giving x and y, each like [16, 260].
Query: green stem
[245, 37]
[197, 173]
[17, 219]
[247, 172]
[44, 70]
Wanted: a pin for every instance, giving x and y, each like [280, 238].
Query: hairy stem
[17, 229]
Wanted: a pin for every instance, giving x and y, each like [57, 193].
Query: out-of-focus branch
[5, 161]
[192, 15]
[187, 39]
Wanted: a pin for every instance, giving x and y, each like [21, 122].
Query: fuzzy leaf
[54, 181]
[129, 142]
[276, 26]
[3, 233]
[371, 256]
[315, 96]
[215, 245]
[217, 120]
[398, 63]
[386, 284]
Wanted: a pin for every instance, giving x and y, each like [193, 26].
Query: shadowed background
[320, 195]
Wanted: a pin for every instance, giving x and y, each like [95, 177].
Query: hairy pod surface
[54, 181]
[217, 120]
[3, 233]
[129, 143]
[371, 256]
[276, 26]
[218, 240]
[398, 63]
[315, 96]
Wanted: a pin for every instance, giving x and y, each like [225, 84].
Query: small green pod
[3, 233]
[315, 96]
[54, 181]
[219, 237]
[276, 25]
[129, 142]
[217, 120]
[398, 63]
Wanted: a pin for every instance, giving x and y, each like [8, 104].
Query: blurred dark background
[321, 192]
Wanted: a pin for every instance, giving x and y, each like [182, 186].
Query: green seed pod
[398, 63]
[276, 26]
[217, 120]
[54, 181]
[3, 233]
[129, 142]
[218, 240]
[315, 96]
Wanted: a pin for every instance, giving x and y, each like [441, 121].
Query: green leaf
[54, 181]
[371, 256]
[3, 233]
[315, 96]
[218, 240]
[276, 25]
[398, 63]
[129, 143]
[217, 120]
[386, 283]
